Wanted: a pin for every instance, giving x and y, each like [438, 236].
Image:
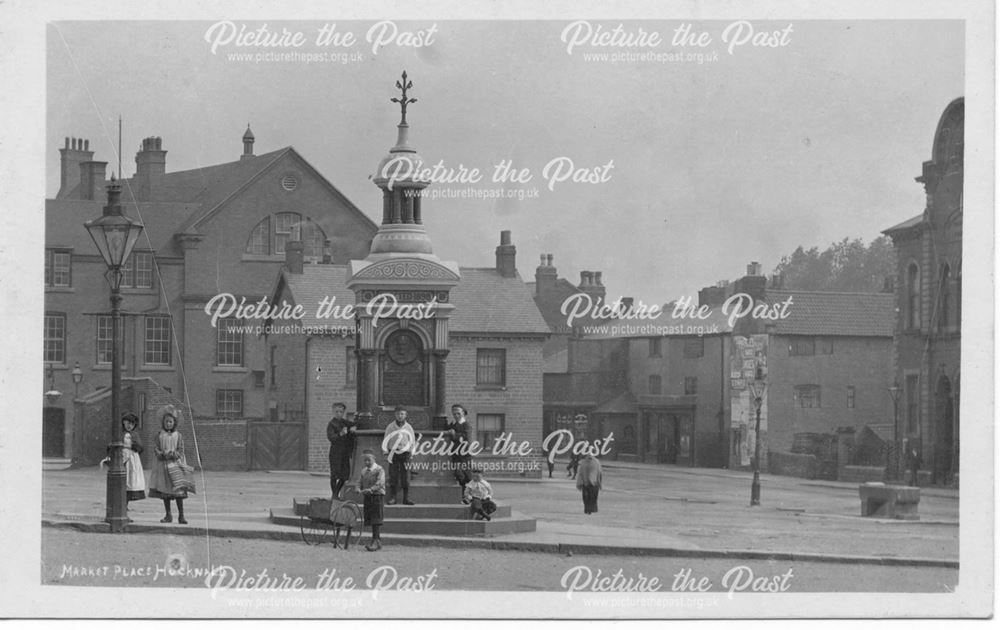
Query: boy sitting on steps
[479, 496]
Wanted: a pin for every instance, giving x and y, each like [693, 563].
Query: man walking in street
[461, 458]
[397, 446]
[341, 434]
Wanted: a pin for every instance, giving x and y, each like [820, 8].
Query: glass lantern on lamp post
[115, 235]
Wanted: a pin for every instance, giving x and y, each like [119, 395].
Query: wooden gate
[53, 431]
[277, 445]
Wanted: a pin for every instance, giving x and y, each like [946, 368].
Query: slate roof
[191, 196]
[905, 225]
[549, 307]
[485, 301]
[828, 313]
[64, 219]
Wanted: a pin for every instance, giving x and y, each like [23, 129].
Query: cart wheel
[349, 518]
[314, 532]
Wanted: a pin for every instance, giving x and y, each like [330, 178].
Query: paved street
[640, 506]
[78, 559]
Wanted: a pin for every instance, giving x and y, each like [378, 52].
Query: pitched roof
[552, 302]
[202, 190]
[828, 313]
[64, 219]
[905, 225]
[485, 301]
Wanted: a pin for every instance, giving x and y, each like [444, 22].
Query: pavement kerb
[515, 545]
[951, 493]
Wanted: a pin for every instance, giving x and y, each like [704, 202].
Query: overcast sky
[741, 157]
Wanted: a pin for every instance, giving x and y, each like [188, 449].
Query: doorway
[53, 432]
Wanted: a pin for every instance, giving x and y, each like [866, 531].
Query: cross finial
[403, 85]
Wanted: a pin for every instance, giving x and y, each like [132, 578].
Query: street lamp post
[77, 379]
[757, 388]
[895, 391]
[115, 235]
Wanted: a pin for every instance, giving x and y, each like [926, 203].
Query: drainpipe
[305, 400]
[723, 442]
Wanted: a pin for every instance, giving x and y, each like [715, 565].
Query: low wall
[862, 474]
[800, 465]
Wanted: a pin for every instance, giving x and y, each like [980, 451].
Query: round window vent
[288, 182]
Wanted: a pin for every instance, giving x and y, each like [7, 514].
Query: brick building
[450, 335]
[679, 395]
[217, 229]
[928, 328]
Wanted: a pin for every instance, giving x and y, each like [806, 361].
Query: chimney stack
[545, 276]
[591, 284]
[75, 151]
[150, 166]
[92, 176]
[712, 296]
[293, 256]
[506, 256]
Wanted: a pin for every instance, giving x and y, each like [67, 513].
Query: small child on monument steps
[478, 494]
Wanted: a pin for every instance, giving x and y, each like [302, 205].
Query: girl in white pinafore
[135, 480]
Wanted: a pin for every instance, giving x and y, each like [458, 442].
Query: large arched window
[944, 320]
[913, 297]
[268, 238]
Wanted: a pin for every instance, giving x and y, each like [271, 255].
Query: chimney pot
[505, 237]
[327, 256]
[597, 278]
[548, 258]
[71, 158]
[542, 263]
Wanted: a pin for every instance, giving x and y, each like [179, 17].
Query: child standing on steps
[170, 477]
[372, 486]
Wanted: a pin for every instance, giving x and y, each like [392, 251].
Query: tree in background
[849, 265]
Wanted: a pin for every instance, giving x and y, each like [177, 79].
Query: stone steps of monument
[435, 494]
[514, 524]
[455, 511]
